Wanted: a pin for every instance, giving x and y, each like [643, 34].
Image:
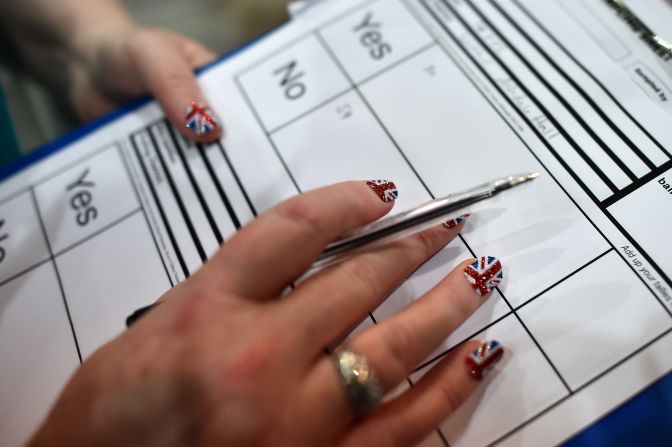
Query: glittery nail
[484, 274]
[201, 119]
[385, 190]
[481, 361]
[453, 223]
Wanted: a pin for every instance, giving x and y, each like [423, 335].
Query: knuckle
[191, 312]
[299, 213]
[401, 435]
[451, 398]
[365, 279]
[400, 341]
[424, 244]
[254, 362]
[140, 41]
[395, 436]
[147, 35]
[173, 80]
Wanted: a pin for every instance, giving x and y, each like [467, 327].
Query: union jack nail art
[484, 274]
[481, 361]
[453, 223]
[201, 119]
[386, 190]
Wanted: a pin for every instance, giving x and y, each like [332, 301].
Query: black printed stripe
[194, 185]
[162, 213]
[543, 109]
[237, 179]
[592, 76]
[614, 128]
[577, 117]
[178, 199]
[220, 188]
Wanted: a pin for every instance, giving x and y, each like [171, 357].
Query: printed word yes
[81, 199]
[371, 37]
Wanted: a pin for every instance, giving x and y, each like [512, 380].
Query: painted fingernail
[481, 361]
[484, 274]
[453, 223]
[201, 119]
[384, 189]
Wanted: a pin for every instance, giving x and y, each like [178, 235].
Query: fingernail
[453, 223]
[481, 361]
[484, 274]
[201, 119]
[385, 190]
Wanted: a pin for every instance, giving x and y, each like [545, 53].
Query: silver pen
[415, 220]
[401, 225]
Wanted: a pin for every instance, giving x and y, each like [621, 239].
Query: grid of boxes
[372, 95]
[368, 95]
[70, 240]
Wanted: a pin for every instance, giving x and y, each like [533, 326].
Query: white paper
[299, 7]
[434, 95]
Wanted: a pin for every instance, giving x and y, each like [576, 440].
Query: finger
[409, 418]
[395, 263]
[268, 254]
[349, 290]
[168, 72]
[396, 347]
[197, 55]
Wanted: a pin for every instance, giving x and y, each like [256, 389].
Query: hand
[223, 360]
[95, 58]
[128, 62]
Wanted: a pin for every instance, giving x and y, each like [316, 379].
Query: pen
[402, 225]
[415, 220]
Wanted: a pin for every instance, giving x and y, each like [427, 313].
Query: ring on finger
[360, 382]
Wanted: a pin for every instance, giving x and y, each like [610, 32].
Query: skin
[95, 58]
[223, 360]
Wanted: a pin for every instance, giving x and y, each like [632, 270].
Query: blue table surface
[645, 420]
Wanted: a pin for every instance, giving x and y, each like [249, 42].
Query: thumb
[165, 63]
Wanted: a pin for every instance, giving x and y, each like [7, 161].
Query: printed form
[436, 95]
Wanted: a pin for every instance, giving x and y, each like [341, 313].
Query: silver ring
[359, 381]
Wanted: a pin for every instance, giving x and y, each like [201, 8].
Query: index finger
[166, 63]
[281, 244]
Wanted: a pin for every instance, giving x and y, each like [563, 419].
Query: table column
[521, 385]
[603, 317]
[104, 251]
[435, 117]
[37, 348]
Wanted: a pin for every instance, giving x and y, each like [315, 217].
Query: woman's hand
[130, 62]
[94, 58]
[224, 360]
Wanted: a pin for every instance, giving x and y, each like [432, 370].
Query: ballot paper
[435, 95]
[300, 7]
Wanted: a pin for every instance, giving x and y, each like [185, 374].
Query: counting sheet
[436, 95]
